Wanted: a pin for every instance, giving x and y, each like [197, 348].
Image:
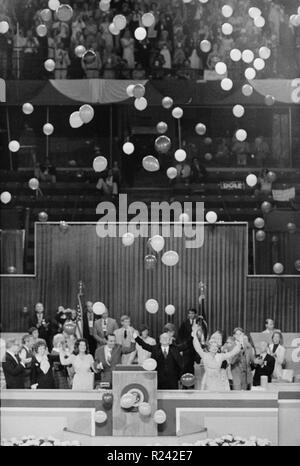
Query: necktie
[125, 334]
[165, 353]
[109, 356]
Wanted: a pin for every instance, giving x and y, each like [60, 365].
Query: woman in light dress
[277, 350]
[83, 365]
[213, 379]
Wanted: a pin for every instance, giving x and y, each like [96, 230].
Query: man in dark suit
[14, 366]
[185, 336]
[88, 321]
[168, 358]
[263, 364]
[43, 324]
[108, 356]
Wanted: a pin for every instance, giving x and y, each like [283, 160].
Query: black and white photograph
[150, 226]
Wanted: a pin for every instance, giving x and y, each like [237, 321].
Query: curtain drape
[12, 250]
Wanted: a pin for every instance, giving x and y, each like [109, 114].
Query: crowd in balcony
[171, 48]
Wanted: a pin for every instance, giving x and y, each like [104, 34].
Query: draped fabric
[12, 250]
[116, 275]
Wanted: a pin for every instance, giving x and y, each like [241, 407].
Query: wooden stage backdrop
[116, 275]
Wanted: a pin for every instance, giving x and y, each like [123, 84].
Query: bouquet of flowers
[32, 441]
[230, 440]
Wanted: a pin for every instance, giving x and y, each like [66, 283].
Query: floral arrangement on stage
[32, 441]
[230, 440]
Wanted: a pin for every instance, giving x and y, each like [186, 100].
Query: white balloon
[170, 258]
[148, 19]
[259, 222]
[171, 173]
[113, 29]
[160, 416]
[80, 51]
[177, 113]
[250, 73]
[53, 4]
[226, 84]
[227, 29]
[221, 68]
[247, 56]
[41, 30]
[86, 113]
[254, 12]
[75, 120]
[152, 306]
[241, 135]
[251, 180]
[99, 308]
[259, 64]
[259, 22]
[157, 243]
[48, 129]
[49, 65]
[128, 239]
[141, 104]
[235, 55]
[120, 22]
[238, 111]
[278, 268]
[264, 53]
[4, 27]
[205, 46]
[100, 417]
[27, 108]
[149, 364]
[129, 90]
[128, 148]
[99, 164]
[180, 155]
[14, 146]
[227, 11]
[140, 33]
[170, 309]
[211, 217]
[247, 90]
[5, 197]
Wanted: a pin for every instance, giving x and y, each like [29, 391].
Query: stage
[191, 415]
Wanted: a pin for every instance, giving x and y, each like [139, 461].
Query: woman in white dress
[142, 354]
[83, 365]
[277, 350]
[213, 379]
[127, 43]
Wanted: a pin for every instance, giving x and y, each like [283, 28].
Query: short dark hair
[24, 337]
[143, 327]
[39, 344]
[192, 310]
[77, 343]
[31, 330]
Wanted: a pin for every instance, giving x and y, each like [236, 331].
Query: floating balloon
[170, 309]
[140, 33]
[75, 120]
[14, 146]
[200, 129]
[208, 156]
[221, 68]
[46, 15]
[177, 112]
[183, 218]
[161, 127]
[150, 163]
[259, 64]
[211, 217]
[141, 104]
[264, 53]
[278, 268]
[5, 197]
[238, 111]
[41, 30]
[235, 55]
[100, 417]
[144, 409]
[138, 91]
[251, 180]
[171, 173]
[160, 416]
[69, 328]
[49, 65]
[11, 269]
[27, 108]
[89, 57]
[127, 401]
[188, 380]
[250, 73]
[129, 90]
[269, 100]
[152, 306]
[205, 46]
[63, 226]
[4, 27]
[99, 308]
[227, 11]
[80, 51]
[150, 262]
[163, 144]
[266, 207]
[291, 227]
[271, 176]
[48, 129]
[207, 141]
[149, 364]
[53, 4]
[180, 155]
[259, 22]
[226, 84]
[120, 22]
[104, 5]
[107, 400]
[241, 135]
[128, 148]
[170, 258]
[86, 113]
[254, 12]
[157, 243]
[148, 19]
[259, 222]
[260, 235]
[99, 164]
[43, 216]
[128, 239]
[227, 29]
[167, 102]
[247, 56]
[33, 184]
[247, 90]
[297, 265]
[64, 13]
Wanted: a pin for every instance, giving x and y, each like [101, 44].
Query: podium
[143, 384]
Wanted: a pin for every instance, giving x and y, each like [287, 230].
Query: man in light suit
[124, 338]
[108, 356]
[103, 327]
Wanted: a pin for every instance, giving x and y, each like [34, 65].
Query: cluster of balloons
[83, 116]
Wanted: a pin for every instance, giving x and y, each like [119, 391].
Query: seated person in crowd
[168, 358]
[14, 365]
[124, 338]
[41, 376]
[277, 350]
[143, 354]
[263, 364]
[103, 327]
[108, 356]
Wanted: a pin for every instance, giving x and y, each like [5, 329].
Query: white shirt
[15, 357]
[143, 354]
[107, 352]
[165, 349]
